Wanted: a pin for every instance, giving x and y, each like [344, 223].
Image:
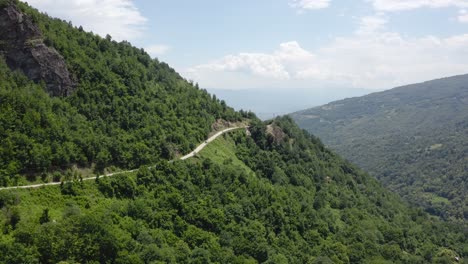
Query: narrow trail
[190, 155]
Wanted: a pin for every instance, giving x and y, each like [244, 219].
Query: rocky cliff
[22, 45]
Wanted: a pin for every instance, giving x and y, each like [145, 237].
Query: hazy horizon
[371, 44]
[268, 103]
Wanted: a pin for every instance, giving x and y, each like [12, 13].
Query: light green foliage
[223, 151]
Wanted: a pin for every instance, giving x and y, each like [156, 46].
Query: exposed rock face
[277, 133]
[22, 45]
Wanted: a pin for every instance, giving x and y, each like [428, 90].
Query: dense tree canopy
[414, 139]
[128, 110]
[273, 195]
[264, 201]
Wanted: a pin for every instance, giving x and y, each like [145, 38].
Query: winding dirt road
[204, 144]
[191, 154]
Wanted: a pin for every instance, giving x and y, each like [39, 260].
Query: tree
[44, 217]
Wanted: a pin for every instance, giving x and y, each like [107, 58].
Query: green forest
[261, 201]
[414, 139]
[272, 194]
[128, 110]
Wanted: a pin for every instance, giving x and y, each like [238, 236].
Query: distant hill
[413, 138]
[274, 194]
[270, 103]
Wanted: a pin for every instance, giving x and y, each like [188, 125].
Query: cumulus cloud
[157, 50]
[259, 64]
[309, 4]
[119, 18]
[372, 58]
[399, 5]
[277, 65]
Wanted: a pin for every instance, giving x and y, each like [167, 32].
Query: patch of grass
[32, 202]
[439, 200]
[223, 151]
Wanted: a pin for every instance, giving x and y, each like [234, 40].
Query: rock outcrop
[22, 45]
[277, 133]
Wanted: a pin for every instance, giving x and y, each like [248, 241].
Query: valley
[272, 193]
[413, 139]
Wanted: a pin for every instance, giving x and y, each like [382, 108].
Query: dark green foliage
[120, 187]
[414, 139]
[12, 216]
[279, 196]
[128, 110]
[68, 188]
[4, 3]
[8, 199]
[44, 217]
[216, 212]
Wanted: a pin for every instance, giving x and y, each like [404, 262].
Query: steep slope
[244, 199]
[23, 46]
[272, 195]
[127, 109]
[413, 138]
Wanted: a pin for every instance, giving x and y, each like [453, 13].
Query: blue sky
[280, 44]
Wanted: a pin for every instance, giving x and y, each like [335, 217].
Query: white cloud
[372, 58]
[119, 18]
[157, 50]
[385, 60]
[309, 4]
[277, 65]
[258, 64]
[463, 16]
[399, 5]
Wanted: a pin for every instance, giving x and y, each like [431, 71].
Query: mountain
[270, 103]
[271, 193]
[414, 139]
[126, 109]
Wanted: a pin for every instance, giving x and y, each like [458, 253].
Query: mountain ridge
[417, 126]
[273, 195]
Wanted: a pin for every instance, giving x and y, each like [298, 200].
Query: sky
[286, 44]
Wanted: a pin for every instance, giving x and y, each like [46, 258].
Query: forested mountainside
[272, 194]
[414, 139]
[276, 196]
[128, 109]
